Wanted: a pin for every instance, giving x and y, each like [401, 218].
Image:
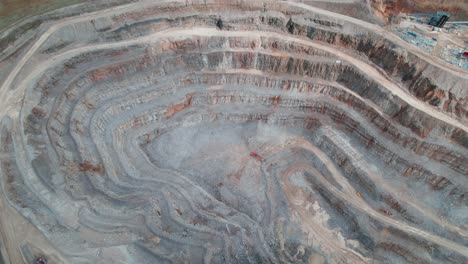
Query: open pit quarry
[227, 132]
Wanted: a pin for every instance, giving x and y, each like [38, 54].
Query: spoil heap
[128, 135]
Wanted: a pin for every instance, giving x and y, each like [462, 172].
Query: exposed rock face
[386, 8]
[126, 138]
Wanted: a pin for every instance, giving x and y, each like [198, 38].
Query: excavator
[256, 156]
[219, 24]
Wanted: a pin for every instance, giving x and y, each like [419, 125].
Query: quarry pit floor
[144, 132]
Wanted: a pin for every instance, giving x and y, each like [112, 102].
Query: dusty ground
[12, 11]
[146, 133]
[16, 233]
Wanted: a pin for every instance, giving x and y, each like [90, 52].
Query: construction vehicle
[40, 260]
[385, 211]
[219, 24]
[256, 156]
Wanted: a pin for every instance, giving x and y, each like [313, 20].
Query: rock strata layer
[144, 133]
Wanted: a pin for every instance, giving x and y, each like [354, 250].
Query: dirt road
[348, 193]
[342, 142]
[360, 205]
[16, 230]
[389, 35]
[7, 96]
